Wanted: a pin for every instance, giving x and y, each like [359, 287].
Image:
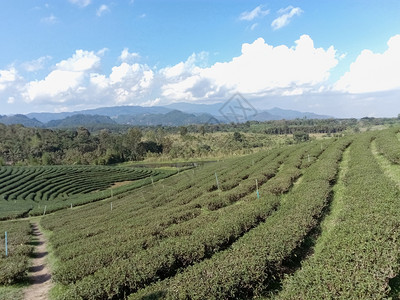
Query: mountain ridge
[169, 115]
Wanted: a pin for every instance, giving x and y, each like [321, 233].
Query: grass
[14, 292]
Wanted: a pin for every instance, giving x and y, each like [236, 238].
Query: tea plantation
[314, 220]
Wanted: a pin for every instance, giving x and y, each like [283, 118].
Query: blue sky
[340, 58]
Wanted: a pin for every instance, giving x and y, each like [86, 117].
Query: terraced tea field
[316, 220]
[30, 190]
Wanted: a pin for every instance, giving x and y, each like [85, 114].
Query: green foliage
[14, 267]
[301, 136]
[237, 136]
[187, 237]
[183, 131]
[177, 223]
[255, 260]
[360, 254]
[389, 145]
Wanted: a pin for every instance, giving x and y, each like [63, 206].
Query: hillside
[111, 112]
[20, 119]
[276, 222]
[176, 114]
[79, 120]
[172, 118]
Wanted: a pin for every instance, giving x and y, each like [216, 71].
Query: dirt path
[39, 275]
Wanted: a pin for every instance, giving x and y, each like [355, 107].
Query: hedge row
[255, 260]
[361, 253]
[14, 266]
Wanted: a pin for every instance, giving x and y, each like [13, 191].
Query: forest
[101, 144]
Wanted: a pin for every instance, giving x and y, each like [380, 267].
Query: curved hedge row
[29, 189]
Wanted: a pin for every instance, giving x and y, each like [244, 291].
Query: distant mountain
[193, 108]
[176, 114]
[262, 115]
[112, 112]
[172, 118]
[20, 119]
[265, 116]
[80, 120]
[294, 114]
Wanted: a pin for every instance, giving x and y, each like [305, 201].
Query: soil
[39, 274]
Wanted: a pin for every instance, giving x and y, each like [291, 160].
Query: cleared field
[33, 190]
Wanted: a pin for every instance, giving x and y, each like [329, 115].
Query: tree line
[24, 145]
[104, 145]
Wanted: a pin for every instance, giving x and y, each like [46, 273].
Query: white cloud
[253, 26]
[255, 13]
[185, 69]
[102, 10]
[80, 61]
[261, 69]
[50, 19]
[153, 102]
[373, 72]
[125, 84]
[286, 14]
[56, 84]
[7, 78]
[101, 52]
[11, 100]
[36, 64]
[76, 82]
[69, 75]
[126, 56]
[81, 3]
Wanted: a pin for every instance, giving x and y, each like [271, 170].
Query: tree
[183, 131]
[202, 130]
[301, 136]
[46, 159]
[131, 141]
[237, 136]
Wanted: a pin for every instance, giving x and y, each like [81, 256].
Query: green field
[314, 220]
[32, 191]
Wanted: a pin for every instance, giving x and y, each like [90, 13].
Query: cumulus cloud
[286, 14]
[255, 13]
[7, 78]
[260, 69]
[126, 56]
[102, 10]
[66, 78]
[36, 64]
[76, 82]
[373, 72]
[127, 82]
[81, 3]
[81, 61]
